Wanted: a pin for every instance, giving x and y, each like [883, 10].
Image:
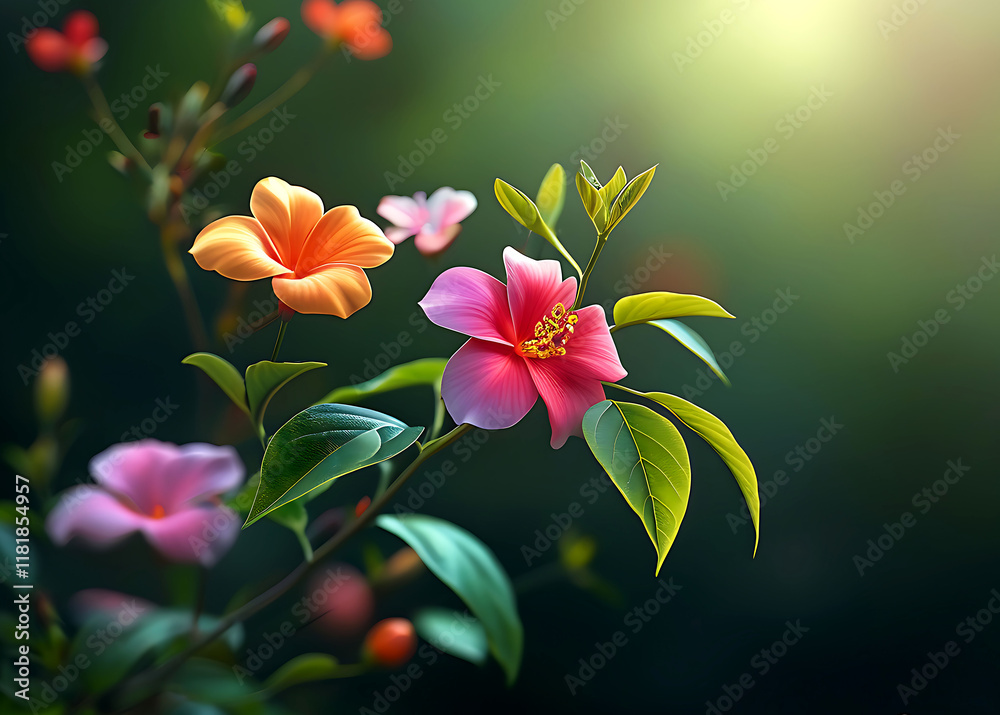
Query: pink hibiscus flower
[524, 342]
[167, 492]
[434, 221]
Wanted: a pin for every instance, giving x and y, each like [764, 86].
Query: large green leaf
[610, 191]
[320, 444]
[629, 197]
[426, 371]
[714, 431]
[593, 204]
[224, 374]
[633, 309]
[693, 342]
[455, 633]
[552, 195]
[265, 378]
[524, 211]
[471, 570]
[645, 457]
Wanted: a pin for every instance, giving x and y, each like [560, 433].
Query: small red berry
[391, 643]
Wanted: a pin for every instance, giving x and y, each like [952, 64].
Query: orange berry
[391, 643]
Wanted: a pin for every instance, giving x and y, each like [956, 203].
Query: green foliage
[692, 341]
[524, 211]
[470, 569]
[455, 633]
[593, 204]
[646, 458]
[223, 374]
[306, 668]
[426, 371]
[628, 198]
[552, 195]
[265, 378]
[645, 307]
[611, 189]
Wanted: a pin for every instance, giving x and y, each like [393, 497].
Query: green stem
[277, 343]
[601, 240]
[178, 274]
[121, 140]
[146, 680]
[307, 549]
[278, 97]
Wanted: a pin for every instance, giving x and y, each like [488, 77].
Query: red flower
[356, 23]
[76, 48]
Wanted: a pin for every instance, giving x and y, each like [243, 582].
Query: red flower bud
[362, 505]
[76, 48]
[271, 35]
[239, 85]
[391, 643]
[153, 122]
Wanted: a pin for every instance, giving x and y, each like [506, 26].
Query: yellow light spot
[551, 334]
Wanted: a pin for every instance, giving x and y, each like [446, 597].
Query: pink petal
[402, 211]
[447, 207]
[431, 244]
[397, 235]
[566, 396]
[471, 302]
[200, 534]
[591, 351]
[487, 385]
[533, 289]
[93, 515]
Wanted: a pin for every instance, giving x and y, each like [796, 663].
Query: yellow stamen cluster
[551, 334]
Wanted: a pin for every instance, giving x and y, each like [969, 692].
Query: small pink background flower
[434, 221]
[169, 493]
[525, 342]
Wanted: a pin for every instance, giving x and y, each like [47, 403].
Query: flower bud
[52, 391]
[153, 122]
[362, 506]
[270, 36]
[346, 598]
[239, 85]
[391, 643]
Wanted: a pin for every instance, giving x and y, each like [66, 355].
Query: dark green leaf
[427, 371]
[265, 378]
[224, 374]
[455, 633]
[471, 570]
[306, 668]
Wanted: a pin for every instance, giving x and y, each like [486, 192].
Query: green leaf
[265, 378]
[224, 374]
[693, 342]
[610, 191]
[320, 444]
[471, 570]
[293, 516]
[644, 307]
[714, 431]
[306, 668]
[208, 681]
[427, 371]
[629, 197]
[593, 204]
[552, 195]
[645, 457]
[455, 633]
[589, 174]
[523, 209]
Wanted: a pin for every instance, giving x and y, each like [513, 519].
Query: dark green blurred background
[568, 72]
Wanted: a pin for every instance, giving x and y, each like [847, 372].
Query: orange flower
[356, 23]
[313, 258]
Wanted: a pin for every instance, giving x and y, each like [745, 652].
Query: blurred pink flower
[525, 342]
[167, 492]
[434, 221]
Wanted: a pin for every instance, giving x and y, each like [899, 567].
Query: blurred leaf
[610, 191]
[629, 197]
[453, 632]
[714, 431]
[693, 342]
[646, 458]
[321, 443]
[593, 204]
[644, 307]
[210, 682]
[470, 569]
[589, 174]
[426, 371]
[292, 516]
[223, 374]
[265, 378]
[305, 668]
[552, 195]
[523, 209]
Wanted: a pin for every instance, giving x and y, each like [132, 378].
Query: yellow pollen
[159, 512]
[551, 334]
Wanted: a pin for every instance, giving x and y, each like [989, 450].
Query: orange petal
[344, 236]
[288, 213]
[238, 248]
[335, 289]
[320, 16]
